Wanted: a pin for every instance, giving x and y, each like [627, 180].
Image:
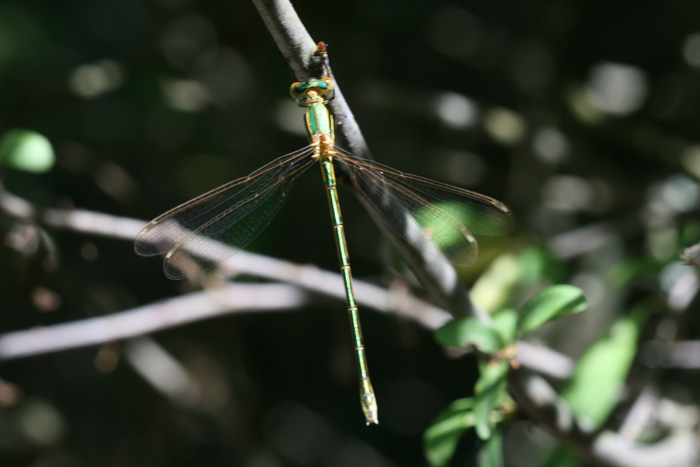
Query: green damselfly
[195, 235]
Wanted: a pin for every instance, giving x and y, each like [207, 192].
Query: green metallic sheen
[300, 89]
[319, 123]
[318, 120]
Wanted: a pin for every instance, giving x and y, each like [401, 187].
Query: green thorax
[318, 120]
[311, 94]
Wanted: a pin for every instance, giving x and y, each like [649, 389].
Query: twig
[165, 373]
[544, 360]
[150, 318]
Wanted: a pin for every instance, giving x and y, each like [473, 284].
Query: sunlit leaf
[490, 387]
[552, 303]
[600, 373]
[532, 264]
[441, 438]
[505, 322]
[493, 288]
[26, 150]
[469, 331]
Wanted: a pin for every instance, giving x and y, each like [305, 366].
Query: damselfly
[197, 235]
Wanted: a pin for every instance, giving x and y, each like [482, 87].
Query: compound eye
[297, 90]
[330, 85]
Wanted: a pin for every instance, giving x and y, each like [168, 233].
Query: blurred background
[581, 116]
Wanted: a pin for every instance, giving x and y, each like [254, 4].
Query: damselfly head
[300, 91]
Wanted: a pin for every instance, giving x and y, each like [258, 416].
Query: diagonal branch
[437, 276]
[146, 319]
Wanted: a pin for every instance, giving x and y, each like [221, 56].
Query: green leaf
[505, 322]
[552, 303]
[594, 390]
[491, 452]
[494, 287]
[469, 331]
[441, 438]
[490, 387]
[532, 265]
[26, 150]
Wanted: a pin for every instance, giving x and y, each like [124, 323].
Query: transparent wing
[199, 234]
[409, 205]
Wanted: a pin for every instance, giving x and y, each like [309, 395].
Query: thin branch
[544, 360]
[166, 374]
[308, 277]
[146, 319]
[241, 262]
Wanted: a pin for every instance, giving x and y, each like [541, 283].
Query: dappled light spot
[680, 193]
[186, 95]
[504, 125]
[290, 117]
[89, 252]
[672, 274]
[582, 107]
[107, 358]
[690, 158]
[115, 181]
[45, 300]
[10, 394]
[550, 145]
[617, 89]
[456, 110]
[691, 50]
[26, 150]
[41, 422]
[567, 193]
[94, 79]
